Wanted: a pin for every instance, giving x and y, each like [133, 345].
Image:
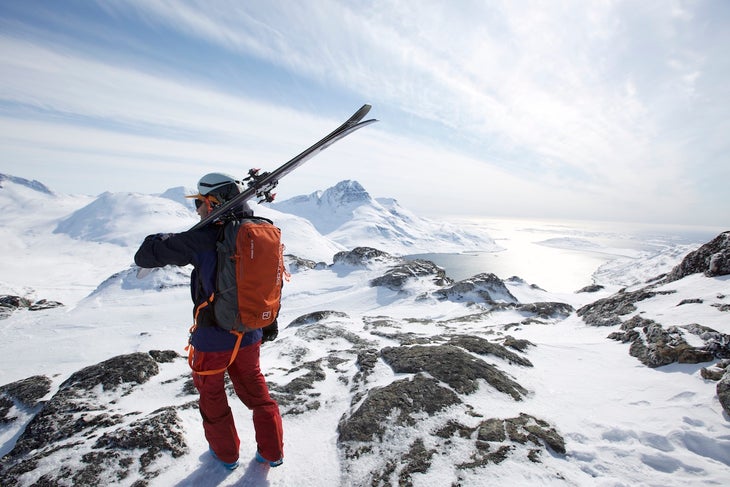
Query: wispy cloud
[621, 105]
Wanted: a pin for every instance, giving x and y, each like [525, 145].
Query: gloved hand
[270, 332]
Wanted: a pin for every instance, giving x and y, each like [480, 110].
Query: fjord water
[561, 256]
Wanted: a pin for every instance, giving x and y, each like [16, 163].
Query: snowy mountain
[124, 218]
[26, 183]
[387, 371]
[348, 215]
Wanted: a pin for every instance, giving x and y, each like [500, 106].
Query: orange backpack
[249, 279]
[250, 275]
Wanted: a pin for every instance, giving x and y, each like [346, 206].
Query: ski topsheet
[262, 185]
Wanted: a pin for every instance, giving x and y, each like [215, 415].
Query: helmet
[221, 186]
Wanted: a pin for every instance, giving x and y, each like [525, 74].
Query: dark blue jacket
[196, 247]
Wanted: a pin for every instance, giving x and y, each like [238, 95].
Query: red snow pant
[251, 389]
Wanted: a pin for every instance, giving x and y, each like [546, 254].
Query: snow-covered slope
[348, 215]
[516, 393]
[124, 218]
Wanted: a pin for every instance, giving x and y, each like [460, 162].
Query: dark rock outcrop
[712, 259]
[317, 316]
[405, 397]
[547, 309]
[396, 277]
[25, 393]
[608, 311]
[592, 288]
[716, 371]
[362, 256]
[298, 395]
[481, 346]
[297, 263]
[10, 303]
[485, 287]
[723, 391]
[81, 416]
[720, 372]
[451, 365]
[519, 344]
[655, 346]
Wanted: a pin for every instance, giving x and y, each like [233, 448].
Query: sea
[562, 256]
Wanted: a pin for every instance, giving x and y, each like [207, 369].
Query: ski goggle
[209, 200]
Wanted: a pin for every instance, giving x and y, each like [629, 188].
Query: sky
[600, 110]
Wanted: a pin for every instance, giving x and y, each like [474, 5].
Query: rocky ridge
[655, 344]
[439, 371]
[87, 423]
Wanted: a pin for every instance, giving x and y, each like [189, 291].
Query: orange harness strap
[191, 350]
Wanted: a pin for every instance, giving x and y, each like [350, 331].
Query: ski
[261, 185]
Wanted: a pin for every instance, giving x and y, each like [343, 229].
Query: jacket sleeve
[165, 249]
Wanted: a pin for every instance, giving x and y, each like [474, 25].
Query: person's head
[215, 189]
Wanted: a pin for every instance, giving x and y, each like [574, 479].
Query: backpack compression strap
[191, 350]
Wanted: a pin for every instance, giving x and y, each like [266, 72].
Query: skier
[213, 346]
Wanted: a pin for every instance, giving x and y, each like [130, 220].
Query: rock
[547, 310]
[592, 288]
[690, 301]
[484, 287]
[362, 256]
[297, 263]
[135, 368]
[517, 344]
[317, 316]
[44, 304]
[712, 259]
[655, 346]
[398, 402]
[160, 431]
[366, 360]
[451, 365]
[723, 391]
[399, 471]
[28, 391]
[328, 332]
[25, 394]
[481, 346]
[14, 302]
[396, 277]
[506, 434]
[718, 344]
[607, 311]
[409, 338]
[10, 303]
[520, 430]
[81, 417]
[298, 395]
[715, 372]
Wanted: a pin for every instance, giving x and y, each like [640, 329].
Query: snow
[624, 424]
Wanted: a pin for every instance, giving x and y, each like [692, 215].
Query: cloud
[578, 107]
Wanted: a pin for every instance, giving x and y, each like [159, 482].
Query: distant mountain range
[314, 226]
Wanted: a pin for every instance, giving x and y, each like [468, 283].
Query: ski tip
[362, 111]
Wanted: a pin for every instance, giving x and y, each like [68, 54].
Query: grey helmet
[221, 186]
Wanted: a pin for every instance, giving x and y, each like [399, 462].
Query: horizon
[679, 233]
[583, 111]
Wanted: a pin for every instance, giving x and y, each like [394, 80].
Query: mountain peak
[346, 192]
[34, 185]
